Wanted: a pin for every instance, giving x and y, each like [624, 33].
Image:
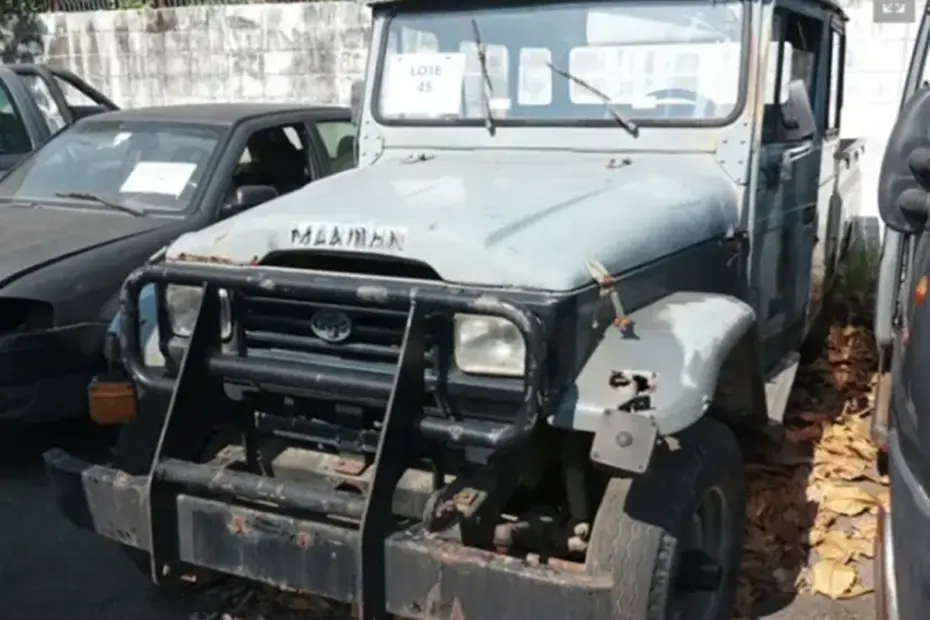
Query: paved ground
[49, 571]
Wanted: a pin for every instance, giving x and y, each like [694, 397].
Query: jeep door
[787, 203]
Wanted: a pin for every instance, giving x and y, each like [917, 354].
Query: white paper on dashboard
[158, 177]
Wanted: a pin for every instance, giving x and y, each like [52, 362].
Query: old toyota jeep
[499, 370]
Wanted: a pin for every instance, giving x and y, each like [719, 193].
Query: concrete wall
[307, 51]
[313, 51]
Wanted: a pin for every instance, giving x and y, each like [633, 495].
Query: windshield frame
[416, 8]
[193, 205]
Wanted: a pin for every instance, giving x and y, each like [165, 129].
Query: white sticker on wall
[535, 77]
[158, 177]
[423, 84]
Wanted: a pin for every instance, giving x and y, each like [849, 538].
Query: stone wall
[313, 51]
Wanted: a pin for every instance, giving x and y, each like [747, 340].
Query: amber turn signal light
[920, 291]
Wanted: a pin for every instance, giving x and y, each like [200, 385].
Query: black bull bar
[296, 534]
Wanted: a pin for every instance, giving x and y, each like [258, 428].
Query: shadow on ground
[813, 495]
[49, 570]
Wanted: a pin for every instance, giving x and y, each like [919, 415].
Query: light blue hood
[502, 220]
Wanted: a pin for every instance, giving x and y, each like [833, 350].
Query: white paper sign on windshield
[535, 76]
[423, 84]
[167, 178]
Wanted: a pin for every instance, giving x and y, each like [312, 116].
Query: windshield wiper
[486, 78]
[631, 127]
[101, 201]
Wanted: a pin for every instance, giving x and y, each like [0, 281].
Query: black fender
[701, 349]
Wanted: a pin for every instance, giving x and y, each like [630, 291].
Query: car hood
[499, 221]
[34, 236]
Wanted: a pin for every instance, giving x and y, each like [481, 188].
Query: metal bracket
[188, 420]
[399, 432]
[626, 436]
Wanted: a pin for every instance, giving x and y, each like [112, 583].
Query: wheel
[133, 451]
[657, 533]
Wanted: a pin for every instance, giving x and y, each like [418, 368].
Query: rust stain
[350, 467]
[920, 293]
[607, 284]
[303, 540]
[465, 498]
[613, 163]
[566, 565]
[203, 258]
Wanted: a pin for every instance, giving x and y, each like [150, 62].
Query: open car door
[36, 102]
[57, 93]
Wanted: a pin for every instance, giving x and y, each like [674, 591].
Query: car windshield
[146, 166]
[677, 61]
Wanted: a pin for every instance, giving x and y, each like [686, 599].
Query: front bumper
[44, 374]
[350, 544]
[422, 577]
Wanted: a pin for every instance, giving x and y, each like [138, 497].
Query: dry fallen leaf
[834, 546]
[857, 589]
[813, 497]
[832, 578]
[848, 500]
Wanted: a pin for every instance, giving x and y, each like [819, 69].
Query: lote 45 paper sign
[423, 84]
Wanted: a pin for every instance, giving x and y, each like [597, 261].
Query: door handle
[798, 152]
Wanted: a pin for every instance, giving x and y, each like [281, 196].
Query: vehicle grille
[377, 334]
[284, 324]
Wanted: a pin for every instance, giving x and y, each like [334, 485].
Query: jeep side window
[795, 47]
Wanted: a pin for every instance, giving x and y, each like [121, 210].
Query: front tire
[693, 498]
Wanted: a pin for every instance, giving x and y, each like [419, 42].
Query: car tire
[645, 523]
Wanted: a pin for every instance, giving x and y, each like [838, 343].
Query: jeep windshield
[143, 166]
[673, 62]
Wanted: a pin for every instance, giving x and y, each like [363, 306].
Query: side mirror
[797, 115]
[357, 94]
[249, 196]
[904, 180]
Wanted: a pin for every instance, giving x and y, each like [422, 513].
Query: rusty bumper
[426, 577]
